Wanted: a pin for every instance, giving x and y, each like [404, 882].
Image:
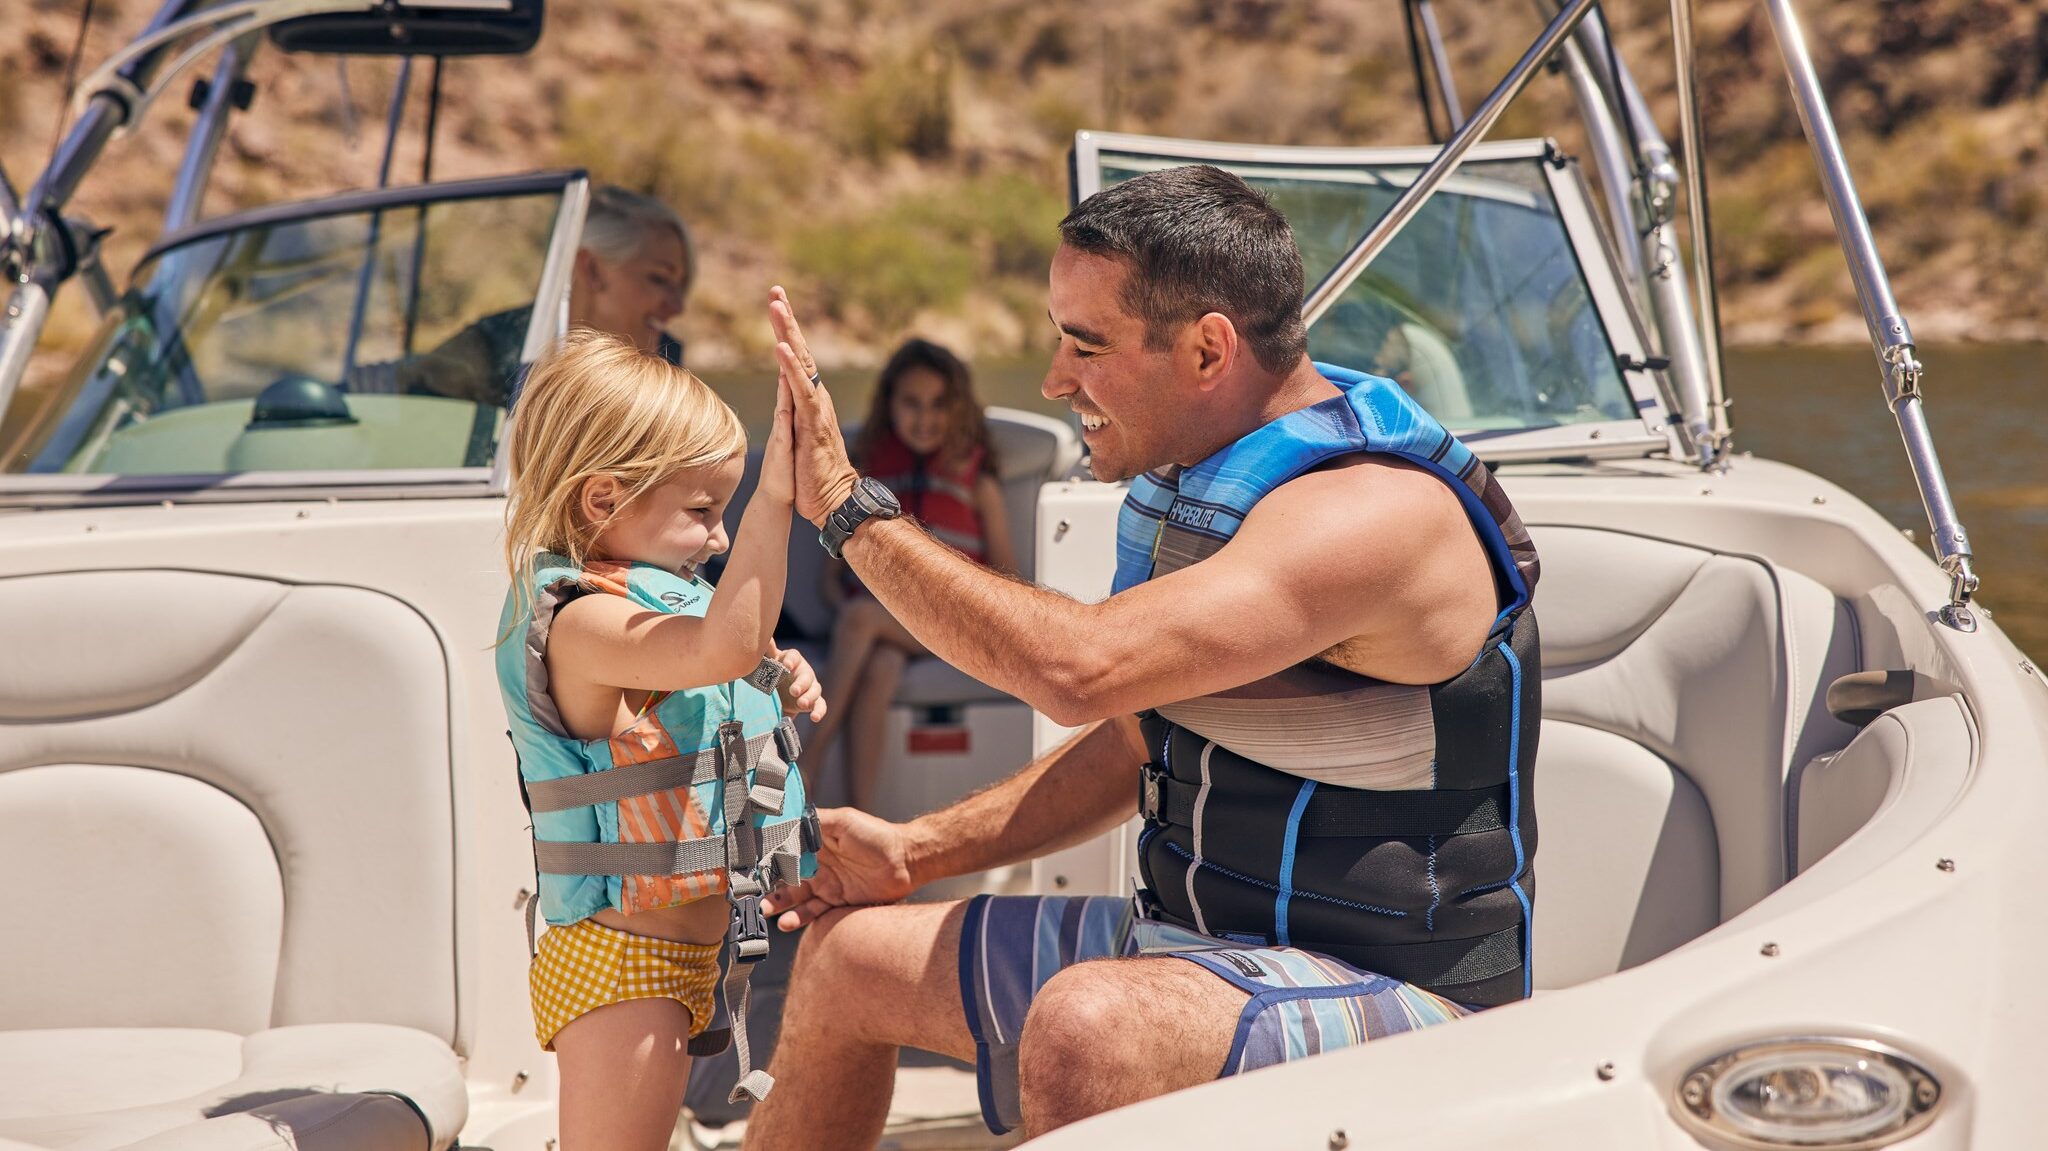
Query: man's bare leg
[867, 981]
[1111, 1032]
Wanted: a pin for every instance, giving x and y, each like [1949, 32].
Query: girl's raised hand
[778, 469]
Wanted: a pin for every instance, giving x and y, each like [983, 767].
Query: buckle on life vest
[1143, 904]
[1152, 793]
[749, 933]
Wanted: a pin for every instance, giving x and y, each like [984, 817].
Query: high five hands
[824, 474]
[862, 859]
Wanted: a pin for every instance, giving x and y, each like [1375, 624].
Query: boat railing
[1898, 363]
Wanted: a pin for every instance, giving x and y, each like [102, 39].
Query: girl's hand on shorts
[778, 467]
[801, 692]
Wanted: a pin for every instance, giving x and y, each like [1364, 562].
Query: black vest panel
[1432, 887]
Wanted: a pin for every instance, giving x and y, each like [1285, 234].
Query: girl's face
[919, 410]
[677, 524]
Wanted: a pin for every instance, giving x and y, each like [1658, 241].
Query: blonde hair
[595, 405]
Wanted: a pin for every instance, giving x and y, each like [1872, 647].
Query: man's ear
[1213, 348]
[597, 499]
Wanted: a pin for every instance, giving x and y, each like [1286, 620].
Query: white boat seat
[1680, 686]
[319, 1087]
[251, 888]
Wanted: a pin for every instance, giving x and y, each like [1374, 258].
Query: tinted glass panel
[364, 340]
[1479, 307]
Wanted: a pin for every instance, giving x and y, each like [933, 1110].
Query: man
[1316, 679]
[632, 272]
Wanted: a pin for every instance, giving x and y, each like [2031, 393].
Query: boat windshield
[369, 333]
[1482, 306]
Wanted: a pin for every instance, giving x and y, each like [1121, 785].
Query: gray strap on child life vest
[748, 935]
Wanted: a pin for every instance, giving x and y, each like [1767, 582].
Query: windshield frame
[548, 322]
[1647, 434]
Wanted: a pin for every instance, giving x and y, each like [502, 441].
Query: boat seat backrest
[228, 805]
[1680, 685]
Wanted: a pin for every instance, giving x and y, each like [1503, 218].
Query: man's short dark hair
[1200, 240]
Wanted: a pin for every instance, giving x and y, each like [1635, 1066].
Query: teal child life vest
[698, 797]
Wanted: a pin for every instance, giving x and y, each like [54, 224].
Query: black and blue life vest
[1388, 825]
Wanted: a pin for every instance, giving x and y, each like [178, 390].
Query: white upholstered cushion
[98, 1089]
[321, 712]
[1680, 687]
[1626, 859]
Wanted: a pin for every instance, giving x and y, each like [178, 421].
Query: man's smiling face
[1124, 394]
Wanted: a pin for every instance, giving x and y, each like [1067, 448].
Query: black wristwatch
[871, 499]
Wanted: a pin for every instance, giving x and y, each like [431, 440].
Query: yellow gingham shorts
[586, 965]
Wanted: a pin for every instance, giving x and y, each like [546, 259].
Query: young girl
[926, 438]
[645, 721]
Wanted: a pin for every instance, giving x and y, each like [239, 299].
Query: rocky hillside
[901, 163]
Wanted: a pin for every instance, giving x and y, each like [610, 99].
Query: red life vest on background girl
[937, 489]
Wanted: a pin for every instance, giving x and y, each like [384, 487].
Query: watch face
[877, 498]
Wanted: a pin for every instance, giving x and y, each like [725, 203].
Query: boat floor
[935, 1108]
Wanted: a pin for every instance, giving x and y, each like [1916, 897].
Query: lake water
[1821, 409]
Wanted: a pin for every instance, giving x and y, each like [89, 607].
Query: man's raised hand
[862, 860]
[824, 475]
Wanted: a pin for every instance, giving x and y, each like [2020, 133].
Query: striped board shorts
[586, 965]
[1301, 1003]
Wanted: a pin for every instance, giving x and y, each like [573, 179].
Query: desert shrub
[927, 250]
[1057, 116]
[1011, 222]
[903, 104]
[881, 268]
[723, 176]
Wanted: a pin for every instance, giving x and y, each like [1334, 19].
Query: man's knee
[1110, 1032]
[1073, 1014]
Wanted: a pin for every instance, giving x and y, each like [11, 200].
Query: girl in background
[926, 438]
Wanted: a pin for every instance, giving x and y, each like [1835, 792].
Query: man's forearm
[1079, 790]
[1019, 637]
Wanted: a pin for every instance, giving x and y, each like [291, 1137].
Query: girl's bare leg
[867, 722]
[853, 636]
[624, 1067]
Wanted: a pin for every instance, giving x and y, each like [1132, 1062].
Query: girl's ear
[597, 499]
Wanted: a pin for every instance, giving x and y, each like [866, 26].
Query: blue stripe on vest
[1373, 414]
[1280, 932]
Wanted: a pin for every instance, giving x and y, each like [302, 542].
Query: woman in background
[927, 439]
